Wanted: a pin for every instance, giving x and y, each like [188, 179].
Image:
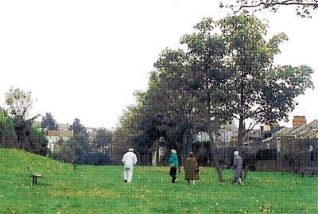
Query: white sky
[85, 59]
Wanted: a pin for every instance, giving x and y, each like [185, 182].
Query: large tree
[206, 51]
[174, 97]
[261, 91]
[225, 71]
[19, 104]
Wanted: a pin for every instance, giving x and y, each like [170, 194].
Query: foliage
[37, 142]
[7, 131]
[83, 150]
[103, 137]
[304, 8]
[206, 51]
[77, 128]
[260, 90]
[100, 189]
[224, 72]
[65, 151]
[19, 103]
[48, 122]
[173, 99]
[126, 133]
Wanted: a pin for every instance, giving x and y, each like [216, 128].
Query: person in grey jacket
[237, 166]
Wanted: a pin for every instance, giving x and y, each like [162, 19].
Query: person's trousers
[128, 173]
[237, 176]
[173, 173]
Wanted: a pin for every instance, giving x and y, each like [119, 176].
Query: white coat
[129, 160]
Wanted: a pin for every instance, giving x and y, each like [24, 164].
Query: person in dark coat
[174, 164]
[237, 166]
[191, 169]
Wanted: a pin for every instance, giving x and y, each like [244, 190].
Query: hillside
[100, 189]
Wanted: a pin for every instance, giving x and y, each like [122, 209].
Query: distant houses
[290, 148]
[299, 131]
[55, 136]
[273, 147]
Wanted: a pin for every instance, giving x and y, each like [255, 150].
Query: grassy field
[100, 189]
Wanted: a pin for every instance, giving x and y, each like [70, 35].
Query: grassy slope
[100, 189]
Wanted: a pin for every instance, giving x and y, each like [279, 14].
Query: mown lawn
[100, 189]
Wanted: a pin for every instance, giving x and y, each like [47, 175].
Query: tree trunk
[184, 143]
[240, 134]
[215, 158]
[157, 152]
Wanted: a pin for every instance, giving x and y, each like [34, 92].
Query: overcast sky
[84, 59]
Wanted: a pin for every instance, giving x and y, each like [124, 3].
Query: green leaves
[19, 102]
[224, 71]
[48, 122]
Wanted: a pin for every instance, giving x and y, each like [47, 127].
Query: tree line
[17, 131]
[223, 72]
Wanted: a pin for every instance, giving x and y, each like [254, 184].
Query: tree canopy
[48, 122]
[224, 72]
[16, 118]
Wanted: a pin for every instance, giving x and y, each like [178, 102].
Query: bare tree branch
[304, 7]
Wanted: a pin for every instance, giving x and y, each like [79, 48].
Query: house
[63, 127]
[294, 148]
[228, 133]
[55, 136]
[299, 121]
[305, 131]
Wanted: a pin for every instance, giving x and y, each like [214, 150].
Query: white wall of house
[52, 140]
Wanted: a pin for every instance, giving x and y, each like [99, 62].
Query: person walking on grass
[174, 164]
[237, 166]
[191, 169]
[129, 160]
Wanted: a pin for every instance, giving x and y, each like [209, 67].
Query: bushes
[31, 139]
[7, 131]
[73, 151]
[37, 142]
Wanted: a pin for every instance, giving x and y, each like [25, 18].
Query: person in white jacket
[129, 160]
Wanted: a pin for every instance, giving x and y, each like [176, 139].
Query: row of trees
[84, 147]
[17, 131]
[224, 71]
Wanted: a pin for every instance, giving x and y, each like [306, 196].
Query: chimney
[299, 121]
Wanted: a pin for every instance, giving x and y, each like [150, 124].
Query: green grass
[100, 189]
